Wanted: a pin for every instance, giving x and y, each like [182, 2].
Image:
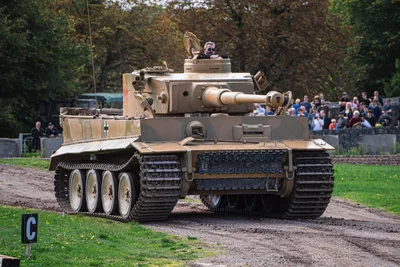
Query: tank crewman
[51, 131]
[36, 133]
[209, 52]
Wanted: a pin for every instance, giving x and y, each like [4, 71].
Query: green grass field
[84, 241]
[36, 163]
[373, 186]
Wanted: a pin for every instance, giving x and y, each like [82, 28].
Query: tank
[191, 133]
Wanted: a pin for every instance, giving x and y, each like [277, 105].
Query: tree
[126, 35]
[299, 45]
[392, 88]
[37, 62]
[375, 26]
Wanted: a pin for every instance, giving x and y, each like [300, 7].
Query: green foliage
[75, 240]
[297, 45]
[306, 47]
[37, 61]
[392, 88]
[125, 37]
[36, 163]
[373, 186]
[353, 151]
[35, 154]
[397, 148]
[376, 32]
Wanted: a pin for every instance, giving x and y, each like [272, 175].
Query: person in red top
[332, 126]
[355, 120]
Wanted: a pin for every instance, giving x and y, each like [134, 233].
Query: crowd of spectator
[359, 112]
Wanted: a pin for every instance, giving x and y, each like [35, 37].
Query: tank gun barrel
[217, 97]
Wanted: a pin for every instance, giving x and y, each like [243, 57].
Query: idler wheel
[232, 201]
[93, 182]
[127, 195]
[250, 202]
[109, 198]
[76, 189]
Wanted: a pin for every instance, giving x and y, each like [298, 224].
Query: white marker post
[29, 231]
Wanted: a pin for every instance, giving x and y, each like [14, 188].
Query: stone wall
[370, 141]
[381, 160]
[49, 146]
[9, 148]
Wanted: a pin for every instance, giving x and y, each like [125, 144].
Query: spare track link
[160, 183]
[311, 194]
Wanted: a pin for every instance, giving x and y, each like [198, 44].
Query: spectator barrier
[384, 140]
[9, 148]
[49, 146]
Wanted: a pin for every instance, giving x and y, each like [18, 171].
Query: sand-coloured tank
[191, 133]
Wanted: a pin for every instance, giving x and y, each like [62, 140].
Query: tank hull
[251, 171]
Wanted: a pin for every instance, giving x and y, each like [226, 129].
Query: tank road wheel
[216, 200]
[213, 202]
[270, 203]
[76, 189]
[250, 202]
[93, 182]
[109, 197]
[232, 201]
[127, 194]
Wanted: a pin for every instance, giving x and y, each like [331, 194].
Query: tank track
[313, 186]
[160, 183]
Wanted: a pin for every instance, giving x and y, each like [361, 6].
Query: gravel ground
[346, 235]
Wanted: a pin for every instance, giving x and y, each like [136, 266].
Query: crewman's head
[209, 49]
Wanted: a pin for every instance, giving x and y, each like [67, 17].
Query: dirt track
[347, 234]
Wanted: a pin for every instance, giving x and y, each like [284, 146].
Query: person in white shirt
[318, 123]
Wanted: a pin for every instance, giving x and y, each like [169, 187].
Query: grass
[35, 154]
[359, 151]
[373, 186]
[353, 151]
[84, 241]
[190, 200]
[36, 163]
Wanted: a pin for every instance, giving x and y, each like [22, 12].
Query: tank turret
[206, 86]
[163, 93]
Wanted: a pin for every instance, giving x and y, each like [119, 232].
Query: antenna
[91, 51]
